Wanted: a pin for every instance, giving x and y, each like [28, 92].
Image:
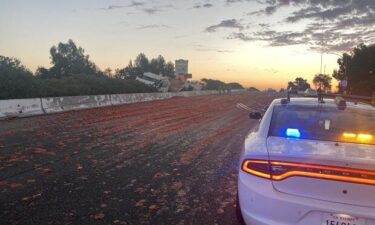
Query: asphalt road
[164, 162]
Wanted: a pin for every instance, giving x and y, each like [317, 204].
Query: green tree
[142, 62]
[119, 74]
[108, 72]
[291, 86]
[157, 65]
[322, 81]
[234, 85]
[253, 89]
[211, 84]
[169, 70]
[68, 59]
[358, 68]
[16, 81]
[129, 72]
[343, 62]
[160, 66]
[299, 84]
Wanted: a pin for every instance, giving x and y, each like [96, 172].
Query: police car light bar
[293, 133]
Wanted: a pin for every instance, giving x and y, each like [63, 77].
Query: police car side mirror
[255, 115]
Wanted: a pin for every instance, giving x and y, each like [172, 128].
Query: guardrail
[360, 98]
[39, 106]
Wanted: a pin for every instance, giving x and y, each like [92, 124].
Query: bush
[235, 85]
[88, 85]
[28, 86]
[72, 74]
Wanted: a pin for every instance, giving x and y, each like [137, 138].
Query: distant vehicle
[309, 162]
[310, 93]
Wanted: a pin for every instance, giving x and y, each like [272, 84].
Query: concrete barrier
[239, 91]
[138, 97]
[37, 106]
[20, 107]
[196, 93]
[62, 104]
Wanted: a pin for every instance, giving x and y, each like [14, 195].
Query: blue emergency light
[293, 133]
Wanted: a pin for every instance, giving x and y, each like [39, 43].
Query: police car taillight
[278, 171]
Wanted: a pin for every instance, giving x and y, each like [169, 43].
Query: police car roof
[329, 102]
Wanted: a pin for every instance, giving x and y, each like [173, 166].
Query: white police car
[309, 162]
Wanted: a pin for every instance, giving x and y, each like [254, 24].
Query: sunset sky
[261, 43]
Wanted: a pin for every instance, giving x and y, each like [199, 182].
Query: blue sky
[262, 43]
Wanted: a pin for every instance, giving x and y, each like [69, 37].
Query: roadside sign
[344, 83]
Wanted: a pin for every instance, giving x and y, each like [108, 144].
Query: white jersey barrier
[38, 106]
[195, 93]
[68, 103]
[138, 97]
[20, 107]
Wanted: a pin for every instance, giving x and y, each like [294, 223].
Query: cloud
[206, 5]
[132, 4]
[203, 48]
[213, 50]
[241, 36]
[264, 25]
[271, 70]
[152, 26]
[232, 23]
[136, 4]
[317, 13]
[111, 7]
[156, 7]
[151, 10]
[312, 36]
[236, 1]
[344, 23]
[327, 8]
[271, 6]
[274, 38]
[270, 10]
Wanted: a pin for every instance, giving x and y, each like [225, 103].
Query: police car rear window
[323, 123]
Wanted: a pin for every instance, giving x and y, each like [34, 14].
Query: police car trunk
[324, 150]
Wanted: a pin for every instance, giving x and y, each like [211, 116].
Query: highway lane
[164, 162]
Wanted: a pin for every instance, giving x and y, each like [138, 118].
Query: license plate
[341, 219]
